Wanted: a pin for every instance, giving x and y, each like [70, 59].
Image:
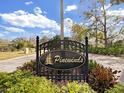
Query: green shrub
[7, 80]
[101, 78]
[34, 85]
[42, 85]
[29, 66]
[101, 75]
[92, 64]
[25, 82]
[118, 88]
[75, 87]
[111, 50]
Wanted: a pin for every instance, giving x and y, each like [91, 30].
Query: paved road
[107, 61]
[10, 65]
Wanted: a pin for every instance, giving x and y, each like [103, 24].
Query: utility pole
[62, 19]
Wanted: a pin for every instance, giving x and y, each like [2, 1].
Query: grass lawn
[8, 55]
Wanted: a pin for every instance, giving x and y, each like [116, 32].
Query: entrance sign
[62, 60]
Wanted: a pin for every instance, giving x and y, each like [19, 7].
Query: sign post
[37, 55]
[86, 61]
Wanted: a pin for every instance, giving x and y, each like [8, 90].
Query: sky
[29, 18]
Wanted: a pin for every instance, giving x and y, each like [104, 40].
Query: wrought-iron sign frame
[62, 60]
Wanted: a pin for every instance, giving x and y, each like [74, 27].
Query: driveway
[116, 63]
[10, 65]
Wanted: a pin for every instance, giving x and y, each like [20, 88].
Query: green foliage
[25, 82]
[117, 43]
[20, 43]
[57, 37]
[92, 65]
[118, 88]
[8, 80]
[4, 45]
[28, 66]
[79, 32]
[75, 87]
[34, 85]
[115, 50]
[16, 44]
[101, 78]
[44, 39]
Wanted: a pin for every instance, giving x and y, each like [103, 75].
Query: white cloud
[37, 10]
[21, 18]
[6, 32]
[107, 6]
[20, 12]
[12, 29]
[71, 8]
[1, 35]
[119, 12]
[48, 33]
[28, 3]
[68, 22]
[113, 12]
[44, 12]
[45, 31]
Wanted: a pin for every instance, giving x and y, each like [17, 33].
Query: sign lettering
[62, 59]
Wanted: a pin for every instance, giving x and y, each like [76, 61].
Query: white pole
[62, 19]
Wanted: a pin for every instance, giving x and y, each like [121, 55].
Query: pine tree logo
[49, 59]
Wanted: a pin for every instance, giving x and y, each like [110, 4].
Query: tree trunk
[104, 26]
[96, 28]
[105, 37]
[96, 32]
